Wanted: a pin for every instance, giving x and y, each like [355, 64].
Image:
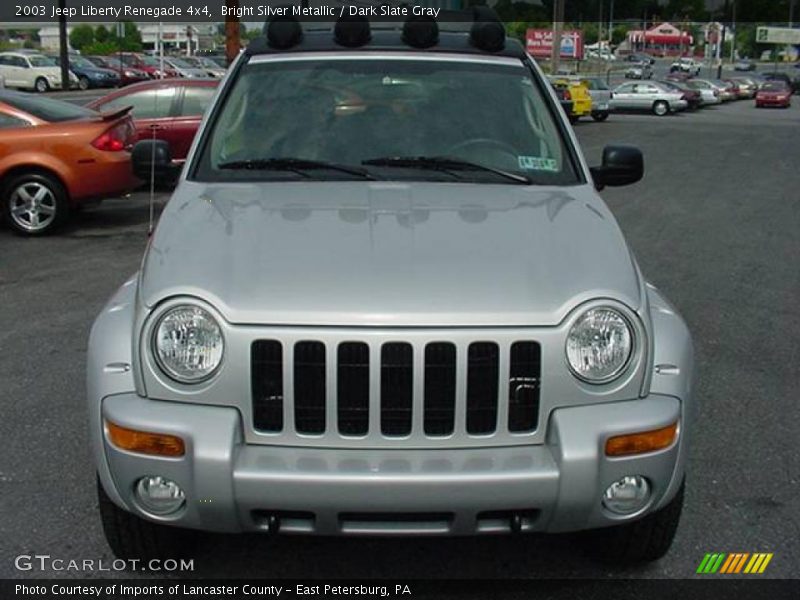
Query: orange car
[55, 155]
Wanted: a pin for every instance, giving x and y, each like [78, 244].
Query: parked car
[211, 68]
[127, 75]
[686, 65]
[723, 90]
[639, 57]
[641, 70]
[185, 69]
[744, 64]
[601, 97]
[694, 98]
[89, 75]
[677, 76]
[169, 109]
[32, 72]
[564, 98]
[793, 83]
[650, 96]
[728, 91]
[745, 89]
[708, 92]
[319, 351]
[774, 93]
[148, 64]
[578, 93]
[54, 156]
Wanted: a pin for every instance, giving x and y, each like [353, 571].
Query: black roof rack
[477, 31]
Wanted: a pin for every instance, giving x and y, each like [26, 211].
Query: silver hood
[384, 253]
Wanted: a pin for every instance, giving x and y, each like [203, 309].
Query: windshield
[41, 61]
[774, 87]
[180, 63]
[352, 112]
[79, 61]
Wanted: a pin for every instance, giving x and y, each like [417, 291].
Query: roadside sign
[777, 35]
[539, 43]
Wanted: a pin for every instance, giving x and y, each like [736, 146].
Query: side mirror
[622, 165]
[153, 156]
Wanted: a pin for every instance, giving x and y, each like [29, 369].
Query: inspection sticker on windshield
[537, 163]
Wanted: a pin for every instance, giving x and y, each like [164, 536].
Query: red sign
[539, 43]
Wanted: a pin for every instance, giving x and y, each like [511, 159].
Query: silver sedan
[649, 96]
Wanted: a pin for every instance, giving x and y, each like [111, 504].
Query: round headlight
[188, 344]
[599, 345]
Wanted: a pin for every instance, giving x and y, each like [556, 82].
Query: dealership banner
[214, 11]
[539, 43]
[512, 589]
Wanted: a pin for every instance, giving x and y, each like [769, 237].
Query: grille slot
[440, 388]
[309, 387]
[397, 391]
[352, 388]
[266, 358]
[523, 387]
[482, 379]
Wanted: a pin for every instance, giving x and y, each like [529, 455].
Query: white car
[686, 65]
[32, 72]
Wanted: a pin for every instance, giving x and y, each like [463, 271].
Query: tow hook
[516, 523]
[273, 524]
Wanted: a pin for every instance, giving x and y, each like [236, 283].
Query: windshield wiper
[298, 165]
[443, 163]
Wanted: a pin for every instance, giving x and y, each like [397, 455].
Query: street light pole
[63, 56]
[558, 17]
[232, 40]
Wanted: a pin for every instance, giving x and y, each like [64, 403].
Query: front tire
[34, 203]
[660, 108]
[600, 117]
[83, 83]
[132, 538]
[645, 540]
[41, 85]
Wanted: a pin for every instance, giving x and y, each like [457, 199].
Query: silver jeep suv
[386, 299]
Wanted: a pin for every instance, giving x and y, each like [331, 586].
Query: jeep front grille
[350, 390]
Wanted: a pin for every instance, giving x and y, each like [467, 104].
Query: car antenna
[152, 181]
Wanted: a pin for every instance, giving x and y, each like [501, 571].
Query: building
[663, 39]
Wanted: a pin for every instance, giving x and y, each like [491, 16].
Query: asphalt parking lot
[715, 224]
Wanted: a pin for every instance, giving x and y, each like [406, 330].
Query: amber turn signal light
[639, 443]
[145, 442]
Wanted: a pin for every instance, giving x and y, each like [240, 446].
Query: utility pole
[233, 42]
[558, 22]
[63, 56]
[733, 32]
[611, 24]
[600, 26]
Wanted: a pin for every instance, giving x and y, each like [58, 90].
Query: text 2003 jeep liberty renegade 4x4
[386, 299]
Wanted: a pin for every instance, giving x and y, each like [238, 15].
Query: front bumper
[231, 486]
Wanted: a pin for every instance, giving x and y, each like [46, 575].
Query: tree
[81, 36]
[132, 40]
[102, 34]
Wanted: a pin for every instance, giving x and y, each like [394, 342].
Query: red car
[127, 75]
[148, 64]
[55, 156]
[169, 108]
[774, 93]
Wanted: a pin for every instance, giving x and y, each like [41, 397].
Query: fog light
[627, 495]
[159, 496]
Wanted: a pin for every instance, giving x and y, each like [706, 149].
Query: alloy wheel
[33, 206]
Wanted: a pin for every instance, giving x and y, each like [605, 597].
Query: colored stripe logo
[735, 562]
